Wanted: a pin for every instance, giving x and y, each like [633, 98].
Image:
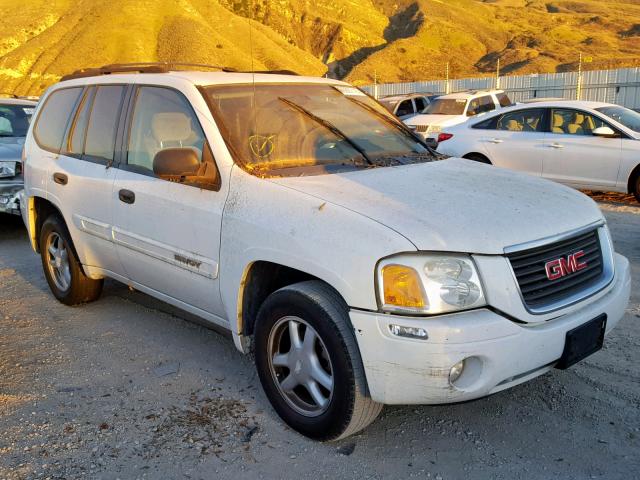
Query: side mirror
[604, 132]
[176, 162]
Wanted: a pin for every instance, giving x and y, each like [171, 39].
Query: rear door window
[75, 143]
[103, 123]
[522, 121]
[54, 118]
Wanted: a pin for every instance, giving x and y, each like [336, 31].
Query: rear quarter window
[53, 119]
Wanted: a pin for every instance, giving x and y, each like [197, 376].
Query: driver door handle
[496, 140]
[556, 145]
[127, 196]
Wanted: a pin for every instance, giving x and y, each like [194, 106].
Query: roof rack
[157, 67]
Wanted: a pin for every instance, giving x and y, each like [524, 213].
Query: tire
[316, 308]
[636, 187]
[477, 157]
[61, 266]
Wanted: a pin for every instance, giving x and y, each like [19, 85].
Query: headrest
[171, 127]
[578, 118]
[513, 125]
[558, 120]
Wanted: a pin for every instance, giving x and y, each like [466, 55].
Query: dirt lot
[127, 388]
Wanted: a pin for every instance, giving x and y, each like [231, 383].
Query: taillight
[443, 137]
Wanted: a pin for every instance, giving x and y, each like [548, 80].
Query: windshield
[446, 106]
[14, 120]
[310, 129]
[626, 117]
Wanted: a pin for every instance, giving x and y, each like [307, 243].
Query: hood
[10, 151]
[455, 205]
[444, 120]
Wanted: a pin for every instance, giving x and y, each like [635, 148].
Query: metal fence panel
[620, 86]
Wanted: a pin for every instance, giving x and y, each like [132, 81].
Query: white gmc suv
[300, 215]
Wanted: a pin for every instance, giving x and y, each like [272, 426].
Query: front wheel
[636, 188]
[309, 364]
[62, 269]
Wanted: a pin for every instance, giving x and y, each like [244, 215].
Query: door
[167, 228]
[574, 156]
[82, 181]
[516, 141]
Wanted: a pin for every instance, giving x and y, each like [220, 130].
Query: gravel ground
[129, 387]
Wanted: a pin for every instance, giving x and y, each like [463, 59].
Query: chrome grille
[529, 267]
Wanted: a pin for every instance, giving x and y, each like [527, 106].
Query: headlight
[429, 283]
[7, 169]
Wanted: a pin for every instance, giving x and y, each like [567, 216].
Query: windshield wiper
[329, 126]
[401, 127]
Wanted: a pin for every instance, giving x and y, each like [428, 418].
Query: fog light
[409, 332]
[455, 372]
[4, 200]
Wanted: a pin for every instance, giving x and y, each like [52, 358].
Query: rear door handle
[556, 145]
[127, 196]
[60, 178]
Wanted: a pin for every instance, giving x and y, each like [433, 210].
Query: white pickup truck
[300, 215]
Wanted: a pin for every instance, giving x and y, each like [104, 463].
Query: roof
[404, 96]
[469, 94]
[194, 73]
[200, 78]
[17, 101]
[560, 103]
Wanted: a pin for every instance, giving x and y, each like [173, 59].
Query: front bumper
[10, 196]
[406, 371]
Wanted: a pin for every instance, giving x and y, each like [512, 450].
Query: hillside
[395, 40]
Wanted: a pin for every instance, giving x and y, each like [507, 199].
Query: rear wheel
[309, 364]
[636, 187]
[477, 157]
[63, 271]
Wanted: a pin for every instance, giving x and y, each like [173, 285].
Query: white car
[455, 108]
[301, 216]
[15, 115]
[582, 144]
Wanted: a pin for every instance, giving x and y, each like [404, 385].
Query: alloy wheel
[300, 365]
[58, 261]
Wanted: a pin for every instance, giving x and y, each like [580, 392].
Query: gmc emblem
[562, 267]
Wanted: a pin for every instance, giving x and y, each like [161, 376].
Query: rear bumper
[505, 353]
[10, 196]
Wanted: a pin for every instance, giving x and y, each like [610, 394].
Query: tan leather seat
[514, 126]
[558, 123]
[575, 127]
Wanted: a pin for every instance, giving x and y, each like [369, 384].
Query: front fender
[264, 221]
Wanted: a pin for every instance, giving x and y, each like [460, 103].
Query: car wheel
[63, 271]
[309, 364]
[636, 188]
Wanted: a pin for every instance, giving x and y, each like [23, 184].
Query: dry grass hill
[397, 40]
